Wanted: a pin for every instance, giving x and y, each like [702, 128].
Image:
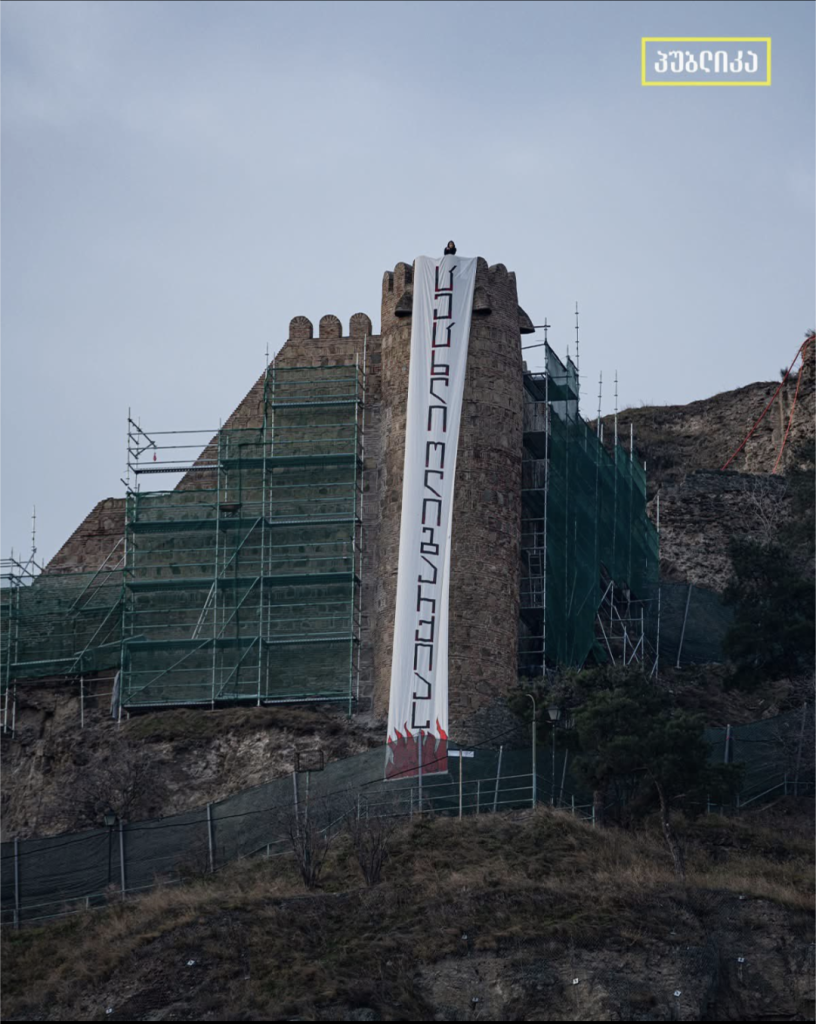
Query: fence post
[16, 883]
[593, 814]
[460, 782]
[498, 776]
[478, 795]
[297, 815]
[122, 877]
[419, 794]
[563, 779]
[683, 630]
[572, 802]
[727, 751]
[799, 751]
[210, 837]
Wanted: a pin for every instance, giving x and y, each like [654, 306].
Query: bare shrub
[125, 780]
[792, 742]
[371, 828]
[765, 502]
[310, 829]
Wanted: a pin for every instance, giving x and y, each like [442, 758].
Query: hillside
[518, 915]
[677, 440]
[522, 916]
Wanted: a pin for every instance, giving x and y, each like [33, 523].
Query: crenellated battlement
[360, 326]
[397, 295]
[330, 328]
[495, 290]
[300, 328]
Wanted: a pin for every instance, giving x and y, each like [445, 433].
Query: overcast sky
[179, 179]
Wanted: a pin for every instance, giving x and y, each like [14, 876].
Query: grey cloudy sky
[180, 179]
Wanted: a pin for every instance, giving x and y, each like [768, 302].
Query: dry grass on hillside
[484, 884]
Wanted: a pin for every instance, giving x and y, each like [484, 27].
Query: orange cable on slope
[748, 436]
[793, 406]
[789, 420]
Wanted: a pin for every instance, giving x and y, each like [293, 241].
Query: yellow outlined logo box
[702, 39]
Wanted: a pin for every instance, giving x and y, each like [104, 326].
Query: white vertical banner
[418, 708]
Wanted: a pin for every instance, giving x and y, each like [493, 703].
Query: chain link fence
[50, 877]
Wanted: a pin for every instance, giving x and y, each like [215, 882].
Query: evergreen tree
[773, 634]
[635, 743]
[772, 587]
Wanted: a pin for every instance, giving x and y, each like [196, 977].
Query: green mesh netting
[584, 511]
[245, 587]
[61, 624]
[693, 623]
[240, 584]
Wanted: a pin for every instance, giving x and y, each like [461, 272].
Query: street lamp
[555, 714]
[532, 698]
[110, 821]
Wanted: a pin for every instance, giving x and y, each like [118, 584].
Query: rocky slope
[58, 774]
[685, 448]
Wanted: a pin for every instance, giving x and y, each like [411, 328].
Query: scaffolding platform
[589, 549]
[259, 553]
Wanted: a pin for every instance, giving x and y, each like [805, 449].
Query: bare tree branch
[371, 828]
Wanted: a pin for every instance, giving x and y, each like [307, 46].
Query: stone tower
[485, 554]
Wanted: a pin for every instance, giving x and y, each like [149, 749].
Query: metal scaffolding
[59, 624]
[243, 583]
[589, 550]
